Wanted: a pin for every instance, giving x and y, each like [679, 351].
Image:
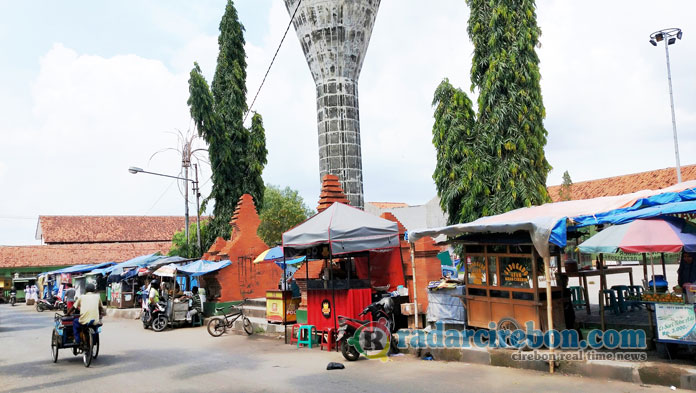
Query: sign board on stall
[675, 322]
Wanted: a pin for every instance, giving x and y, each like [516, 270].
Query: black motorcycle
[155, 317]
[381, 309]
[13, 298]
[53, 304]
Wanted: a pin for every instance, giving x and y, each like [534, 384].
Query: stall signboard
[477, 271]
[516, 272]
[675, 322]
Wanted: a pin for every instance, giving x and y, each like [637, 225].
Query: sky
[90, 88]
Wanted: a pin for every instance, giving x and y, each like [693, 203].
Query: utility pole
[186, 163]
[196, 191]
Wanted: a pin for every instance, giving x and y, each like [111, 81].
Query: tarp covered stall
[348, 234]
[445, 306]
[201, 267]
[345, 229]
[547, 223]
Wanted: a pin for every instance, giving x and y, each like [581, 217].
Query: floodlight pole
[674, 121]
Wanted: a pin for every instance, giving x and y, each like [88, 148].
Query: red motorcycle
[382, 312]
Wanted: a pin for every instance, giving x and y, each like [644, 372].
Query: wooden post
[645, 268]
[412, 248]
[549, 307]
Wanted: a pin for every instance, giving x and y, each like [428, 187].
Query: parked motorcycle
[155, 318]
[56, 304]
[381, 309]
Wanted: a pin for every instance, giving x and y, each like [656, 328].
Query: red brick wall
[243, 278]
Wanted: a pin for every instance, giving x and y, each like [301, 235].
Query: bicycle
[218, 326]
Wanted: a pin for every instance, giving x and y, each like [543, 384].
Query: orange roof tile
[625, 184]
[331, 192]
[75, 254]
[103, 229]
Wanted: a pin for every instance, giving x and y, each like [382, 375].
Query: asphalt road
[188, 359]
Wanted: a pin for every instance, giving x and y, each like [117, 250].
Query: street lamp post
[669, 36]
[135, 170]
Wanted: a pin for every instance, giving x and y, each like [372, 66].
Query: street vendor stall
[672, 320]
[547, 225]
[351, 245]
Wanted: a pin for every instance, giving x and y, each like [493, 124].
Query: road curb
[650, 373]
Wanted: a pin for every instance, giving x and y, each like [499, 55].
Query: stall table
[583, 274]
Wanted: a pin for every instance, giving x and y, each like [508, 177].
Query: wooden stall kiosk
[506, 284]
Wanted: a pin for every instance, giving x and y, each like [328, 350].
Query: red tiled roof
[331, 192]
[388, 205]
[75, 254]
[103, 229]
[618, 185]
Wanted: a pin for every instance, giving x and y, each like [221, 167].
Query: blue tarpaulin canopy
[547, 224]
[141, 261]
[81, 268]
[201, 267]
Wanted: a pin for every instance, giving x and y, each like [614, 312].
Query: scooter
[57, 304]
[13, 298]
[381, 312]
[155, 318]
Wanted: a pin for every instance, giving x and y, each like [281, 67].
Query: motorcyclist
[153, 296]
[91, 310]
[13, 294]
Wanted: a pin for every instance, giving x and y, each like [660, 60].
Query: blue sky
[90, 88]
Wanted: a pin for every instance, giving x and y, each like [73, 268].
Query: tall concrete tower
[334, 35]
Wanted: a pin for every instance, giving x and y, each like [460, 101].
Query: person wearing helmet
[91, 310]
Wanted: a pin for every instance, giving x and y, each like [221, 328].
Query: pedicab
[63, 337]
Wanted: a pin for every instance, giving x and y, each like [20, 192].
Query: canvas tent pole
[645, 269]
[412, 248]
[652, 267]
[549, 307]
[664, 270]
[333, 288]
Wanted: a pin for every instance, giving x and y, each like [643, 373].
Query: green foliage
[283, 209]
[190, 250]
[237, 154]
[565, 191]
[502, 157]
[459, 155]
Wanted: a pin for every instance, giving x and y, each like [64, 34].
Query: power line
[272, 60]
[160, 197]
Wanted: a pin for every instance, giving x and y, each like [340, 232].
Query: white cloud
[90, 117]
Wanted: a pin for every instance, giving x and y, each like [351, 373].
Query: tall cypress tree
[508, 134]
[237, 154]
[505, 69]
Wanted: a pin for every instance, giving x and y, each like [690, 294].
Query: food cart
[350, 244]
[506, 284]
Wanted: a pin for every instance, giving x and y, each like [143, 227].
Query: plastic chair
[327, 338]
[635, 291]
[308, 337]
[622, 294]
[293, 333]
[577, 297]
[610, 295]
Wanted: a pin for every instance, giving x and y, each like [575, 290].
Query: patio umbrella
[272, 254]
[665, 234]
[662, 234]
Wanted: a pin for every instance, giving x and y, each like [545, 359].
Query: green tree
[503, 156]
[188, 250]
[565, 191]
[283, 209]
[459, 156]
[237, 154]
